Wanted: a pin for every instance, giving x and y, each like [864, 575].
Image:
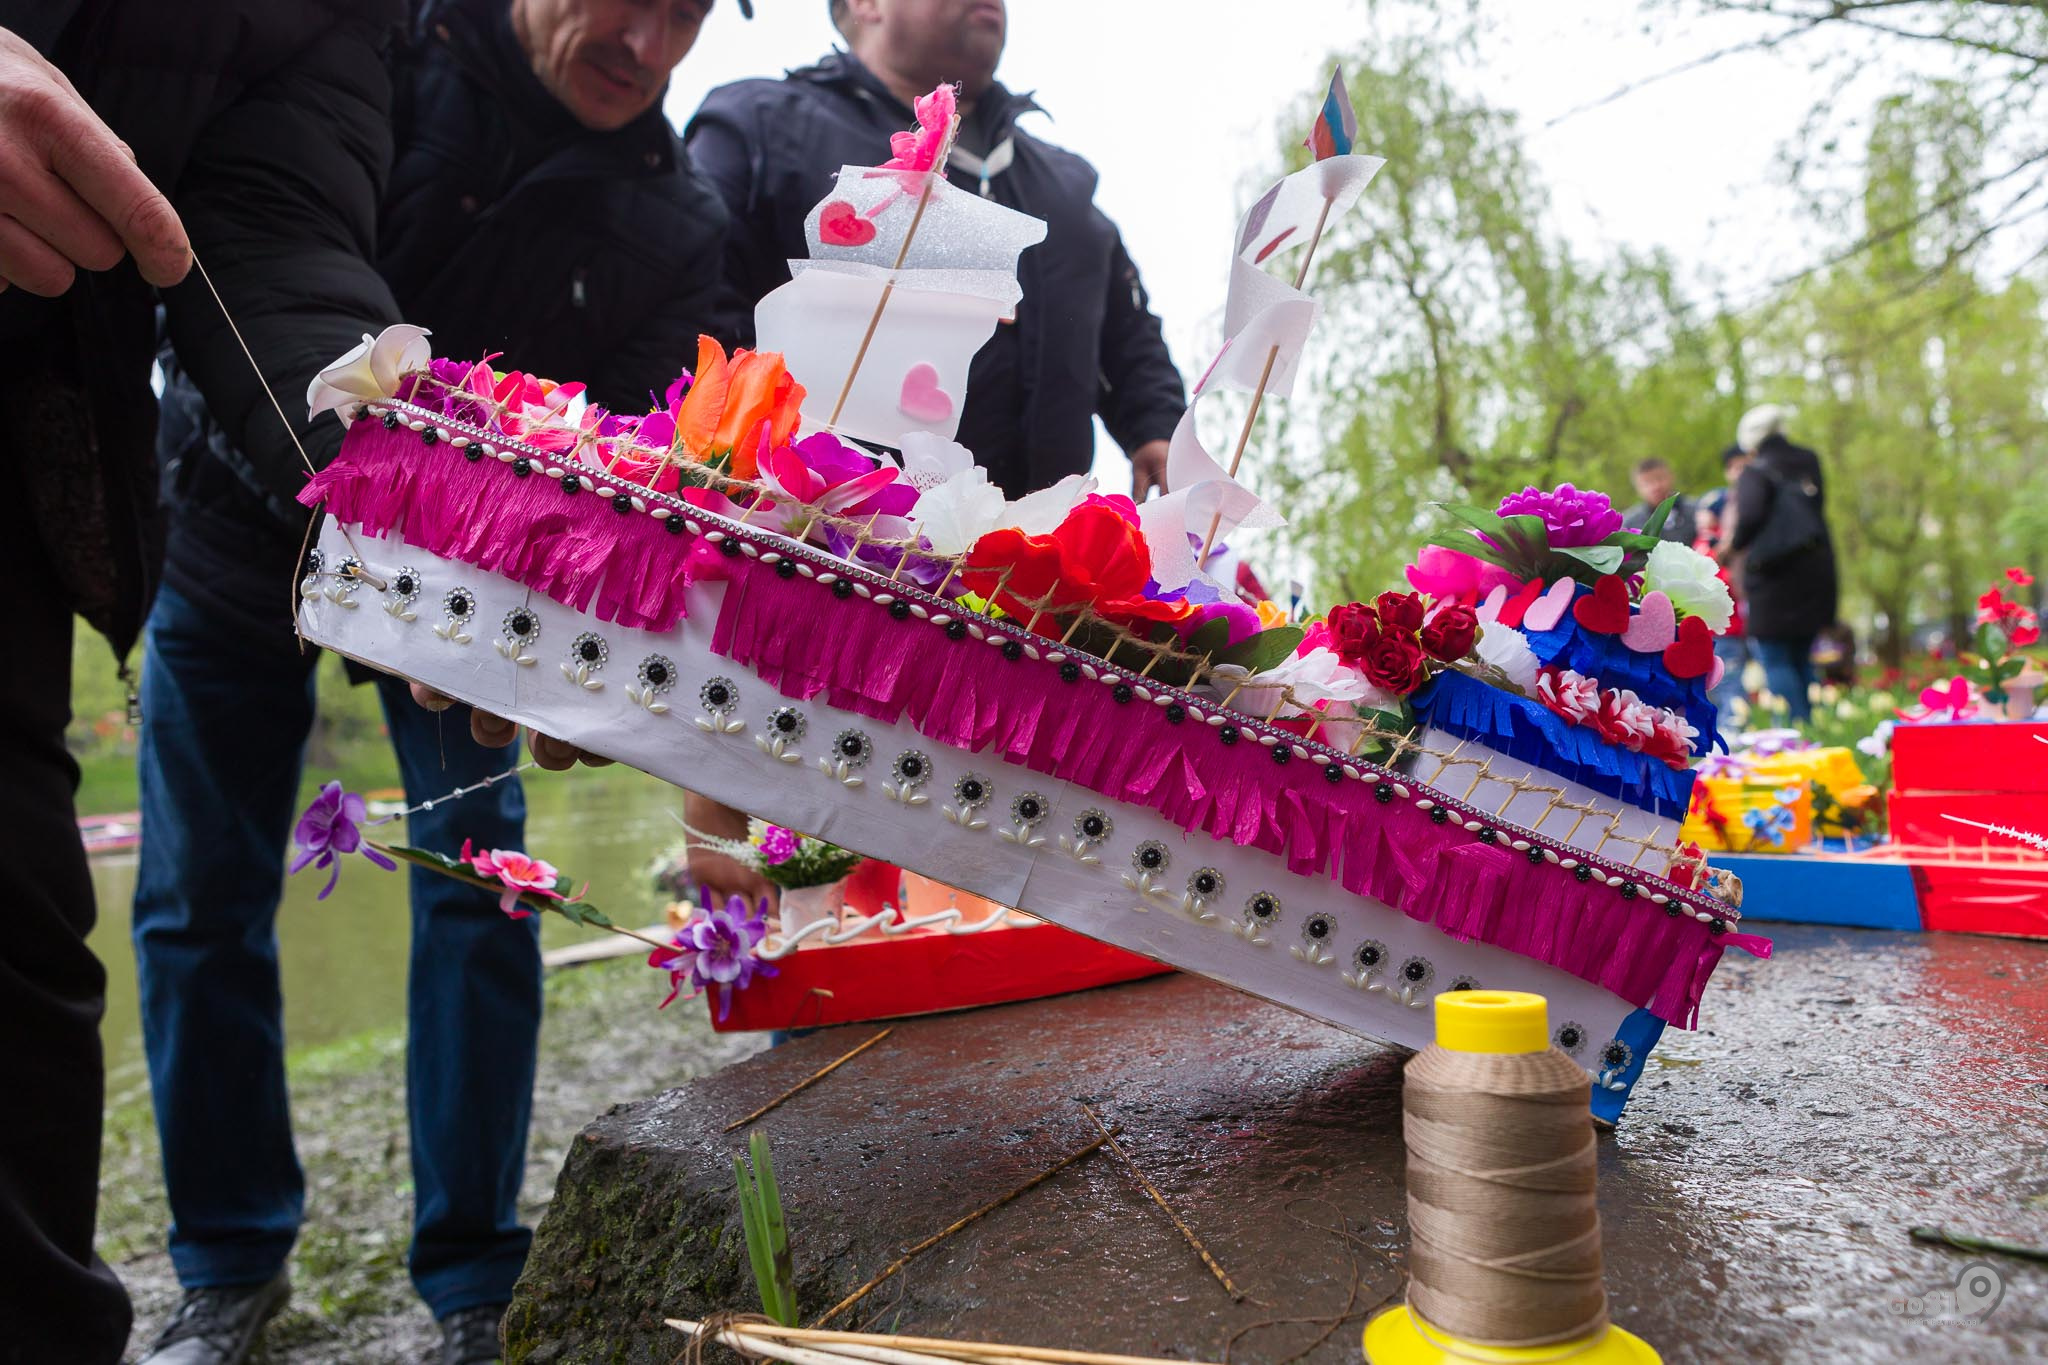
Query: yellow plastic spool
[1501, 1023]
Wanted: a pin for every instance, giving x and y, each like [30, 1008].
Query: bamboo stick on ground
[979, 1350]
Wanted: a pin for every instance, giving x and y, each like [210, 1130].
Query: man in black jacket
[173, 82]
[541, 207]
[1085, 342]
[1781, 532]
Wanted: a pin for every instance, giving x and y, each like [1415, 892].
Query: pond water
[344, 958]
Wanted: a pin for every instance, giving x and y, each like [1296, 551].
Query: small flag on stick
[1336, 126]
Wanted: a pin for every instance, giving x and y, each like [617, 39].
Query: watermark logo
[1978, 1290]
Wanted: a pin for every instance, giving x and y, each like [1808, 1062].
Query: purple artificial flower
[778, 845]
[926, 570]
[1244, 620]
[716, 948]
[1572, 517]
[328, 829]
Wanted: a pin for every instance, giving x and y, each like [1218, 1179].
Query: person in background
[539, 205]
[1788, 556]
[103, 102]
[1654, 482]
[1714, 521]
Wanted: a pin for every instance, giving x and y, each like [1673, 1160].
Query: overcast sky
[1178, 103]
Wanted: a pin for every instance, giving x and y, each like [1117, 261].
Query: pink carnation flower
[1570, 695]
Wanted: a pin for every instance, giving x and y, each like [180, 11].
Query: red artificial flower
[2020, 577]
[1399, 611]
[1095, 558]
[2024, 631]
[1449, 635]
[1353, 628]
[1395, 663]
[1993, 608]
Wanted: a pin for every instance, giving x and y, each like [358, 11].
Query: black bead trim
[1227, 734]
[389, 419]
[956, 630]
[521, 467]
[1383, 793]
[1012, 650]
[1717, 926]
[730, 548]
[1333, 772]
[785, 568]
[1439, 816]
[1583, 873]
[1070, 672]
[1535, 855]
[842, 588]
[427, 436]
[1673, 909]
[1487, 834]
[674, 524]
[1283, 753]
[1629, 891]
[622, 503]
[1121, 693]
[571, 484]
[900, 609]
[1175, 713]
[471, 453]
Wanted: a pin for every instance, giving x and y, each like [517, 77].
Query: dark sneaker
[218, 1326]
[469, 1336]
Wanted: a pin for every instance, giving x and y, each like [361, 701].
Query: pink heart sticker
[1654, 627]
[922, 400]
[1549, 609]
[840, 224]
[1489, 610]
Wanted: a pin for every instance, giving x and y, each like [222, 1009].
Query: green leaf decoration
[1213, 638]
[1599, 558]
[1267, 649]
[1657, 518]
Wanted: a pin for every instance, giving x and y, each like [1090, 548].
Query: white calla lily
[959, 511]
[373, 368]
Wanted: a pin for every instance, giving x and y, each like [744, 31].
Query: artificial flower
[1303, 680]
[1446, 574]
[823, 474]
[716, 948]
[1504, 648]
[954, 514]
[733, 402]
[1623, 720]
[1572, 516]
[1271, 614]
[1450, 631]
[929, 460]
[1571, 695]
[1093, 558]
[329, 828]
[373, 368]
[917, 152]
[2020, 577]
[1244, 622]
[1394, 662]
[519, 874]
[1692, 581]
[778, 845]
[1353, 627]
[1399, 611]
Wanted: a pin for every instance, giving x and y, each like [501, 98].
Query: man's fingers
[493, 732]
[430, 699]
[551, 753]
[99, 170]
[27, 260]
[46, 206]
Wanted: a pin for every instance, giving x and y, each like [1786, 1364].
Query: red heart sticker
[1605, 610]
[839, 224]
[1692, 655]
[1515, 608]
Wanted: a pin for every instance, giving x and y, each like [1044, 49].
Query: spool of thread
[1504, 1224]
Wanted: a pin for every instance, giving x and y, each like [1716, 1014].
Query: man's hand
[715, 872]
[70, 194]
[495, 732]
[1148, 469]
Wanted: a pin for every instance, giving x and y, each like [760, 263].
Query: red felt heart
[840, 224]
[1692, 655]
[1515, 608]
[1604, 610]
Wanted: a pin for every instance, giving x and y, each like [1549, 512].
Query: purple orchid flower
[926, 570]
[329, 829]
[1572, 516]
[716, 949]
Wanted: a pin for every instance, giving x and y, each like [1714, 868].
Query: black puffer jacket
[1085, 340]
[267, 122]
[507, 228]
[1797, 598]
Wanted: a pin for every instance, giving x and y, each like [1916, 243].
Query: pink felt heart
[922, 399]
[1691, 654]
[1489, 610]
[1548, 610]
[1717, 672]
[840, 224]
[1604, 611]
[1654, 625]
[1516, 609]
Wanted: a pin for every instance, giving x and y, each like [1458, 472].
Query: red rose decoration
[1395, 663]
[1353, 628]
[1401, 612]
[1450, 633]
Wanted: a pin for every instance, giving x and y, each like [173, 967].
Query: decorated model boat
[789, 590]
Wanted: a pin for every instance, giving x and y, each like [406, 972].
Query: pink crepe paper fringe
[966, 695]
[578, 550]
[574, 548]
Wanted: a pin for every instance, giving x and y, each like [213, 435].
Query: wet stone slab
[1756, 1198]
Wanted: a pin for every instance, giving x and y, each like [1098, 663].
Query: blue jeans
[225, 721]
[1788, 670]
[1733, 652]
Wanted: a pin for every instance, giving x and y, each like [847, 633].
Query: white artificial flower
[1505, 648]
[930, 460]
[1037, 514]
[1878, 742]
[371, 369]
[1692, 582]
[1304, 680]
[960, 511]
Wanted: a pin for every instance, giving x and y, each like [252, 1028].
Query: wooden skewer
[936, 173]
[1244, 434]
[807, 1081]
